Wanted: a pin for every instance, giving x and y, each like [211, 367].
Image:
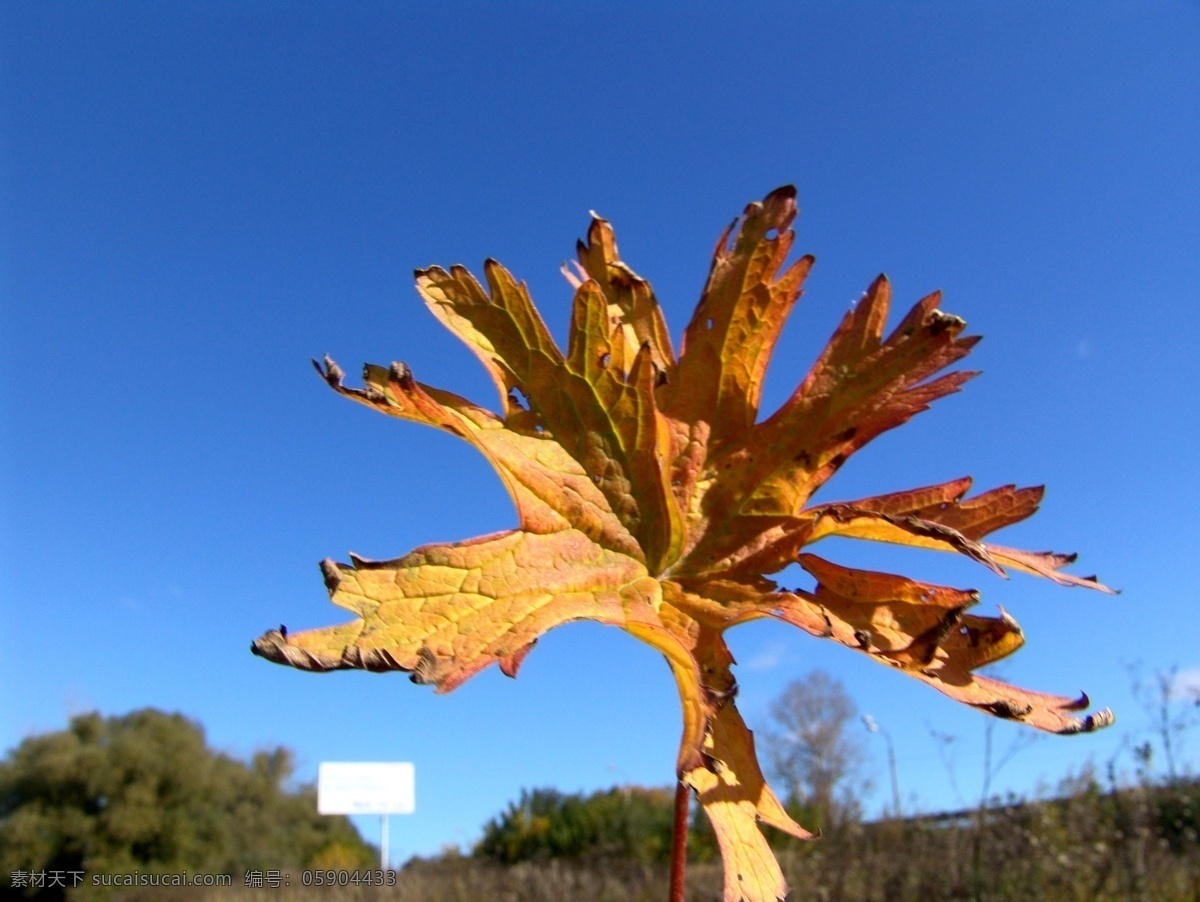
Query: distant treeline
[632, 823]
[1091, 843]
[143, 793]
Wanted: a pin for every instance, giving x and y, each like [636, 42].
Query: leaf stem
[679, 834]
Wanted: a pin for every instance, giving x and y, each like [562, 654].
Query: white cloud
[767, 658]
[1186, 684]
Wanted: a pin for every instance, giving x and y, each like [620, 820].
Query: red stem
[679, 834]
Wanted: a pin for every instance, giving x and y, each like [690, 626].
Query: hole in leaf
[518, 398]
[604, 359]
[708, 323]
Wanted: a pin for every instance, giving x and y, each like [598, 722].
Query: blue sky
[198, 198]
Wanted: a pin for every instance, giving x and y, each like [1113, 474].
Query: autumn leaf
[652, 497]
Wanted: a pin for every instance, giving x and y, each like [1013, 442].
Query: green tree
[629, 823]
[143, 792]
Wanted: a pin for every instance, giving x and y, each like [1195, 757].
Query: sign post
[359, 787]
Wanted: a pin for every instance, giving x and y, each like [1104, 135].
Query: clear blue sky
[197, 198]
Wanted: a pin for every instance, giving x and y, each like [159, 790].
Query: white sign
[345, 787]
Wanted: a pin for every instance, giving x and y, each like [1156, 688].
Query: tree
[629, 823]
[812, 752]
[143, 792]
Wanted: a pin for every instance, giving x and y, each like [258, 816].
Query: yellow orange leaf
[549, 487]
[736, 798]
[631, 301]
[597, 403]
[728, 343]
[650, 496]
[444, 612]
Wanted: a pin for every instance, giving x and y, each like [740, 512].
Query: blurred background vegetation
[144, 793]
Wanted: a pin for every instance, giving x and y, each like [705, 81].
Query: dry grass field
[1138, 844]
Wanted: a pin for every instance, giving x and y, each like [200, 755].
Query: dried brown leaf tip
[652, 497]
